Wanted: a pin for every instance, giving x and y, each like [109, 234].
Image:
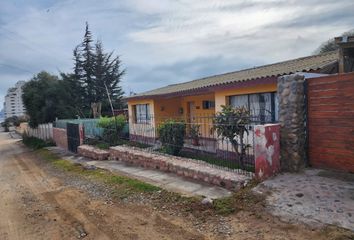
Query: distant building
[13, 105]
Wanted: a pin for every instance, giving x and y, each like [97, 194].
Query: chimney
[346, 53]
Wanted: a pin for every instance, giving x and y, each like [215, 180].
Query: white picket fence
[43, 131]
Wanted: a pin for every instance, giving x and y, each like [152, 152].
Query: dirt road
[36, 203]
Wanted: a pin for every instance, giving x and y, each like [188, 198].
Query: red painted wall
[267, 150]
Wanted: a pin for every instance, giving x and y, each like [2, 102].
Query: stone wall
[60, 138]
[181, 166]
[292, 107]
[93, 152]
[267, 150]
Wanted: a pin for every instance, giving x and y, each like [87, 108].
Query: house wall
[164, 108]
[144, 132]
[221, 96]
[167, 108]
[202, 117]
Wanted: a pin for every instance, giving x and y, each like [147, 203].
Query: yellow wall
[164, 108]
[198, 103]
[141, 129]
[202, 117]
[167, 108]
[220, 96]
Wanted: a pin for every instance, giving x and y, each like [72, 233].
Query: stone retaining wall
[181, 166]
[93, 152]
[60, 138]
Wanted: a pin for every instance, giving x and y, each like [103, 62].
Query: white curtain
[261, 104]
[142, 113]
[239, 101]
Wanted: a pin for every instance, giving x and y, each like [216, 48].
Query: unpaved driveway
[39, 203]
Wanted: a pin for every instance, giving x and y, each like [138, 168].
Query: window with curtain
[142, 113]
[262, 106]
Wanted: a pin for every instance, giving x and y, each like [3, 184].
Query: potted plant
[195, 134]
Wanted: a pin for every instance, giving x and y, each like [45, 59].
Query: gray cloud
[165, 42]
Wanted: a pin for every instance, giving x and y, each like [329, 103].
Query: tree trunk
[96, 109]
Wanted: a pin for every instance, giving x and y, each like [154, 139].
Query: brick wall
[181, 166]
[60, 138]
[331, 122]
[267, 150]
[93, 152]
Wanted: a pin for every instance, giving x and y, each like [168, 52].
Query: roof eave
[209, 89]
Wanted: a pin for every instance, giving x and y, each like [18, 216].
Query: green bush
[6, 125]
[35, 143]
[112, 128]
[171, 135]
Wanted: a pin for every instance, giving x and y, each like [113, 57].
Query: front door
[191, 113]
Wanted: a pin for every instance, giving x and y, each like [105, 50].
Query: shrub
[194, 131]
[230, 123]
[35, 143]
[171, 135]
[112, 128]
[6, 126]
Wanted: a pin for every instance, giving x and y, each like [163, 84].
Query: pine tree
[108, 74]
[94, 70]
[88, 60]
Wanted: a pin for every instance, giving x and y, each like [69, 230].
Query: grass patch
[103, 146]
[35, 143]
[243, 199]
[99, 143]
[224, 206]
[124, 183]
[137, 144]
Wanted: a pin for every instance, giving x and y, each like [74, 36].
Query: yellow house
[196, 101]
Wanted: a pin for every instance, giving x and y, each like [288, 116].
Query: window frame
[208, 104]
[138, 117]
[273, 96]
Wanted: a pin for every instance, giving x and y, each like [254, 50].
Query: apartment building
[13, 105]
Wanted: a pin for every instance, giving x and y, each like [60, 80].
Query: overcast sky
[164, 41]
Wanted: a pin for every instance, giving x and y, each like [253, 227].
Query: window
[262, 106]
[142, 113]
[208, 104]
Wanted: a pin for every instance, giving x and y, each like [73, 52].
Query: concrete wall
[267, 150]
[43, 131]
[60, 138]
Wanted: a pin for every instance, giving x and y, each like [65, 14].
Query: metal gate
[73, 133]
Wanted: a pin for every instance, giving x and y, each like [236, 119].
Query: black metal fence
[206, 146]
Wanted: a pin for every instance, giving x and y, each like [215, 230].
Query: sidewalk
[167, 181]
[314, 196]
